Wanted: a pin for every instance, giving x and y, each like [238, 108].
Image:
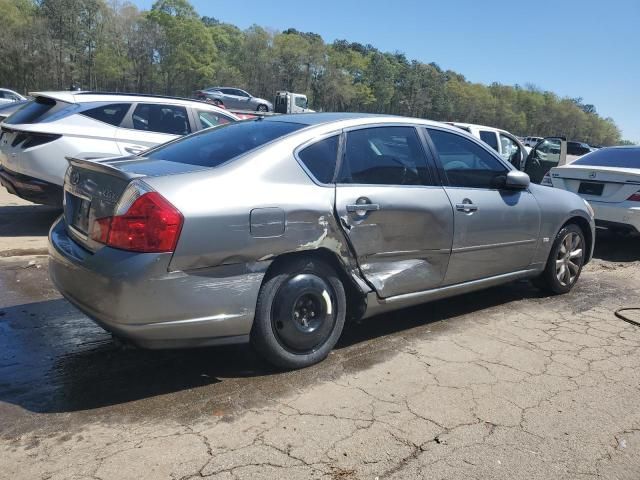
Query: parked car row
[276, 230]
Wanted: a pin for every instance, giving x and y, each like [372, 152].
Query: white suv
[35, 140]
[503, 142]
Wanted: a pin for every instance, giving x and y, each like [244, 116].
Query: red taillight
[150, 225]
[635, 197]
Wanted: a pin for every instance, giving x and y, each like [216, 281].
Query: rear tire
[300, 314]
[565, 261]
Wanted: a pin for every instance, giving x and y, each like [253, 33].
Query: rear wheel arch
[356, 298]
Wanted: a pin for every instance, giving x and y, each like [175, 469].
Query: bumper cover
[31, 189]
[625, 215]
[134, 296]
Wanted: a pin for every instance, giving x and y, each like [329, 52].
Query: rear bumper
[135, 297]
[31, 189]
[619, 215]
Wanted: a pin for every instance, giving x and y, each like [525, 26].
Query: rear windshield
[215, 146]
[612, 157]
[32, 112]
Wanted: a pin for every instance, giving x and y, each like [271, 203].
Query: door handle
[135, 149]
[466, 206]
[363, 207]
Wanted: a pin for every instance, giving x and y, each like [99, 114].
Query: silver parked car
[233, 98]
[276, 230]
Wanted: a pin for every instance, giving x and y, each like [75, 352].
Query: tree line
[111, 45]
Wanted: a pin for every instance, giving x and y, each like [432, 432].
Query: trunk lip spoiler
[100, 167]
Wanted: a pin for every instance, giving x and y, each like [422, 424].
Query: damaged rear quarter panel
[217, 205]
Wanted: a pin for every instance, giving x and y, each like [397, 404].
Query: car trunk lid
[93, 189]
[599, 184]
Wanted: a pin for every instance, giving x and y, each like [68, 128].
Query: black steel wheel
[300, 313]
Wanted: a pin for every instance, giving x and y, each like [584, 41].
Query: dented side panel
[404, 245]
[253, 211]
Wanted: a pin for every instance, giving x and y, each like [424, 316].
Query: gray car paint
[236, 101]
[241, 216]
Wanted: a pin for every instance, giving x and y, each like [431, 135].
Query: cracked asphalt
[500, 384]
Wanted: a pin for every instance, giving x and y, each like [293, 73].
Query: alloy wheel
[569, 259]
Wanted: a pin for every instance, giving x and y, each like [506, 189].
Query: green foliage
[111, 45]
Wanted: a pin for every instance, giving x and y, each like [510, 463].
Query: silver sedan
[275, 231]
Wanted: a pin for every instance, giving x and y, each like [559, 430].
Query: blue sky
[588, 48]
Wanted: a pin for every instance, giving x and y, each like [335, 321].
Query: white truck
[288, 102]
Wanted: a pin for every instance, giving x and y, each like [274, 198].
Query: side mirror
[517, 180]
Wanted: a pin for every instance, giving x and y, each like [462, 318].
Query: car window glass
[489, 138]
[384, 156]
[627, 157]
[510, 151]
[466, 163]
[240, 93]
[301, 102]
[111, 114]
[39, 110]
[578, 149]
[212, 147]
[169, 119]
[210, 119]
[320, 158]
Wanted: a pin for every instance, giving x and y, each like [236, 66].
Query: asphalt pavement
[506, 383]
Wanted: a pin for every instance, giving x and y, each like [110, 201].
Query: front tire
[263, 108]
[565, 261]
[300, 314]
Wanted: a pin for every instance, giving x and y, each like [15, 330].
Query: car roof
[89, 97]
[312, 119]
[484, 127]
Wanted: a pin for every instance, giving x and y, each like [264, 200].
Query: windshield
[215, 146]
[612, 157]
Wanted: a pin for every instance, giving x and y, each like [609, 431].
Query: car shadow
[53, 359]
[613, 247]
[27, 220]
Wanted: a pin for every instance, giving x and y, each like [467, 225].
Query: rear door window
[111, 114]
[215, 146]
[320, 158]
[384, 156]
[169, 119]
[489, 138]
